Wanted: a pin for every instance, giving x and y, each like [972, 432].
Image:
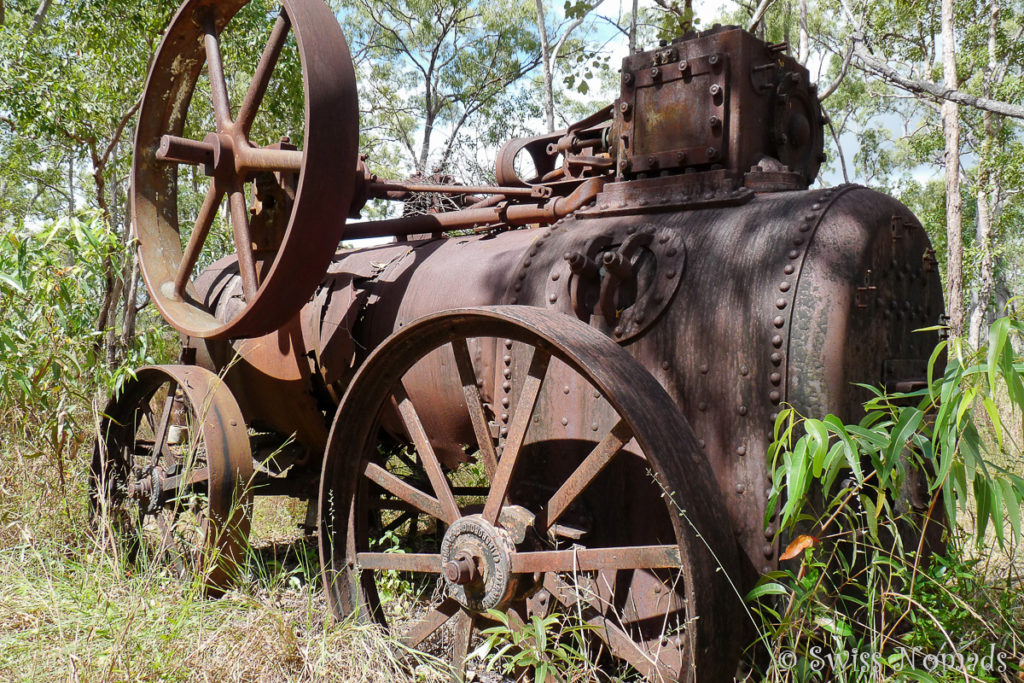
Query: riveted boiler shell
[790, 298]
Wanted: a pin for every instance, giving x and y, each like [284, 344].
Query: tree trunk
[804, 49]
[546, 58]
[130, 305]
[954, 202]
[632, 27]
[40, 16]
[71, 183]
[988, 196]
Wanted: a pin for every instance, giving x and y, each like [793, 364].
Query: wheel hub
[477, 561]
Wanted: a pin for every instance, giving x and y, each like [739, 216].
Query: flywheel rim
[325, 178]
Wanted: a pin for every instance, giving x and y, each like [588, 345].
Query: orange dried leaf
[798, 545]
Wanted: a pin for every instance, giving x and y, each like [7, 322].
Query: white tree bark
[954, 202]
[546, 57]
[40, 16]
[988, 196]
[804, 47]
[632, 27]
[759, 14]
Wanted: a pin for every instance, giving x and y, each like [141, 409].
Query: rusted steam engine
[556, 398]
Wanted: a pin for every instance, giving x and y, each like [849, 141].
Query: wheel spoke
[243, 241]
[398, 488]
[195, 242]
[427, 563]
[580, 479]
[516, 434]
[218, 84]
[199, 475]
[617, 640]
[460, 647]
[160, 435]
[398, 521]
[474, 404]
[595, 559]
[432, 621]
[264, 70]
[413, 425]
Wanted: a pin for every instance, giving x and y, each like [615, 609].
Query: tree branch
[40, 16]
[759, 14]
[118, 131]
[834, 85]
[929, 88]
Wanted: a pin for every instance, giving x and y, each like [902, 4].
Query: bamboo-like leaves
[952, 434]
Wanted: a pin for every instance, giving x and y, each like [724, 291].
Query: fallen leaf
[798, 545]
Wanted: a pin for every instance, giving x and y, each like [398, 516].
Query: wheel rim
[507, 540]
[184, 503]
[282, 274]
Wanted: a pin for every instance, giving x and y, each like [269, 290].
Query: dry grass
[73, 609]
[80, 615]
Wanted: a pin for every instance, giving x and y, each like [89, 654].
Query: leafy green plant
[391, 584]
[893, 519]
[54, 374]
[550, 647]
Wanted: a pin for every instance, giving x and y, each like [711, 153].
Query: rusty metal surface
[327, 159]
[117, 484]
[718, 100]
[697, 305]
[721, 101]
[682, 286]
[639, 536]
[734, 344]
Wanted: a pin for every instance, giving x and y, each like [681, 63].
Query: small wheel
[171, 472]
[282, 262]
[590, 497]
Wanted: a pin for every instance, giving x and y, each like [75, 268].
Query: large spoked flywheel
[283, 203]
[583, 492]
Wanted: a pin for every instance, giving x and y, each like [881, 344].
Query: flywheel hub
[476, 557]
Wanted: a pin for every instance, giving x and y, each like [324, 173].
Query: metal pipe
[516, 214]
[383, 189]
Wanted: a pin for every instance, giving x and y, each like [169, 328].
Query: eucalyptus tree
[429, 68]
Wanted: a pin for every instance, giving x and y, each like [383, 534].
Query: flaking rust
[608, 346]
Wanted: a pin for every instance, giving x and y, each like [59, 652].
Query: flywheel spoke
[243, 241]
[597, 559]
[414, 426]
[433, 620]
[581, 478]
[516, 434]
[474, 404]
[264, 70]
[218, 83]
[200, 231]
